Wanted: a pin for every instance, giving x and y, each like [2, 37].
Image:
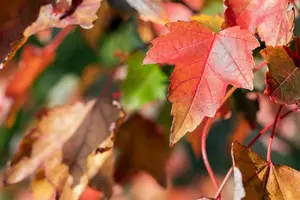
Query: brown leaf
[282, 82]
[92, 36]
[23, 18]
[143, 147]
[65, 140]
[15, 16]
[104, 179]
[260, 179]
[84, 15]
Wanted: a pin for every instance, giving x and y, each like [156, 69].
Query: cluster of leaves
[73, 146]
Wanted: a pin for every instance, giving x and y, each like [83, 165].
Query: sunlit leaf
[273, 20]
[205, 64]
[260, 179]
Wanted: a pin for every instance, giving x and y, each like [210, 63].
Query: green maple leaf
[143, 83]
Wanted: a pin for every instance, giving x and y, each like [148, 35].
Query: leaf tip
[148, 61]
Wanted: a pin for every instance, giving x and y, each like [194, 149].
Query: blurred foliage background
[107, 60]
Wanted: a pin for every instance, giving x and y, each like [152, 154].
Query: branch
[54, 44]
[269, 159]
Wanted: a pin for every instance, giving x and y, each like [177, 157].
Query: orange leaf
[33, 61]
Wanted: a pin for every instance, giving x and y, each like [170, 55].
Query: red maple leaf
[206, 63]
[272, 19]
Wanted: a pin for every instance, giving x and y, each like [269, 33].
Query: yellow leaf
[214, 23]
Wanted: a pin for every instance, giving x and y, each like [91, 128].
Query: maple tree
[233, 68]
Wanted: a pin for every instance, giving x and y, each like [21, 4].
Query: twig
[223, 183]
[269, 159]
[291, 53]
[108, 83]
[204, 154]
[58, 39]
[263, 131]
[259, 66]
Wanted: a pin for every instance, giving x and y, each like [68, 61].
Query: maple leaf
[61, 148]
[283, 76]
[260, 179]
[134, 141]
[205, 64]
[194, 137]
[142, 85]
[273, 20]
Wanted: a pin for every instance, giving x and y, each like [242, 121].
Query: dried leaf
[283, 76]
[263, 180]
[63, 145]
[205, 64]
[15, 16]
[85, 15]
[36, 16]
[142, 147]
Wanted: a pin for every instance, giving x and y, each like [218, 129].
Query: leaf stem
[204, 154]
[108, 84]
[263, 131]
[291, 53]
[205, 133]
[269, 159]
[54, 44]
[223, 183]
[260, 65]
